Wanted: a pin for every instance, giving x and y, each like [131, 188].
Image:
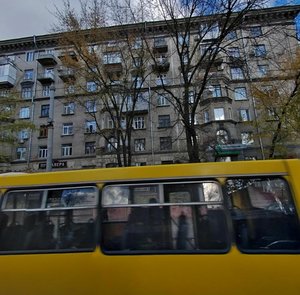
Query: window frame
[163, 201]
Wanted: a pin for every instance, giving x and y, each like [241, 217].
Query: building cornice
[267, 15]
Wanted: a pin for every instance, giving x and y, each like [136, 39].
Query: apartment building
[33, 69]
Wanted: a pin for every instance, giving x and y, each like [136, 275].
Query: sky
[23, 18]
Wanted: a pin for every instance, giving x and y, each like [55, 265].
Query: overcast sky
[23, 18]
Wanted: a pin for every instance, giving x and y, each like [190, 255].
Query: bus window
[48, 219]
[178, 217]
[264, 216]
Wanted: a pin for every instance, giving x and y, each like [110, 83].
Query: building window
[219, 114]
[49, 73]
[67, 129]
[90, 126]
[69, 108]
[90, 106]
[231, 35]
[28, 75]
[191, 97]
[24, 113]
[4, 92]
[43, 152]
[165, 143]
[183, 39]
[162, 99]
[222, 136]
[139, 145]
[164, 121]
[21, 153]
[237, 73]
[90, 148]
[244, 115]
[66, 149]
[43, 131]
[161, 80]
[234, 52]
[112, 58]
[138, 43]
[263, 70]
[112, 144]
[206, 116]
[209, 31]
[137, 81]
[91, 86]
[23, 134]
[27, 92]
[30, 56]
[260, 50]
[216, 91]
[247, 138]
[70, 89]
[159, 42]
[139, 122]
[255, 31]
[45, 110]
[240, 93]
[46, 90]
[137, 62]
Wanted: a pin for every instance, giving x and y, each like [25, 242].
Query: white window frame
[21, 153]
[90, 126]
[27, 92]
[139, 122]
[219, 114]
[69, 108]
[66, 150]
[67, 129]
[43, 152]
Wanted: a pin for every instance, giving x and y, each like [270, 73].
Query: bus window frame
[46, 189]
[292, 201]
[171, 181]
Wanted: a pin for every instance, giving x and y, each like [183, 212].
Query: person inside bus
[145, 228]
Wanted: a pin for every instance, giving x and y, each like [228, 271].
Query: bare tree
[191, 35]
[111, 66]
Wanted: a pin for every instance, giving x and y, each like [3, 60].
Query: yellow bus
[207, 228]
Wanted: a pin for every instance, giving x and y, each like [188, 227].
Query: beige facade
[225, 117]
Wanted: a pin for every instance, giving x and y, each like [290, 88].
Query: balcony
[71, 54]
[8, 75]
[46, 78]
[160, 45]
[236, 60]
[161, 65]
[113, 67]
[47, 59]
[66, 74]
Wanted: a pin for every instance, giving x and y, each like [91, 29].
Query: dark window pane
[164, 217]
[263, 214]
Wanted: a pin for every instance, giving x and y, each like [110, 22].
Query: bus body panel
[97, 272]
